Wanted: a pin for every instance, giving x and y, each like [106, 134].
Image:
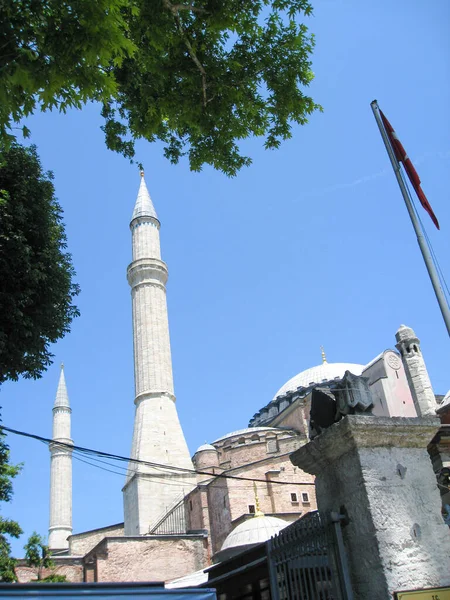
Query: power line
[172, 468]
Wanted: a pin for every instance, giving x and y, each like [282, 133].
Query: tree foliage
[8, 527]
[37, 555]
[37, 291]
[200, 75]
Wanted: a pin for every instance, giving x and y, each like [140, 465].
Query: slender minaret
[416, 372]
[60, 471]
[158, 438]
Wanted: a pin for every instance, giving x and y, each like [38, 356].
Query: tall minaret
[158, 437]
[60, 471]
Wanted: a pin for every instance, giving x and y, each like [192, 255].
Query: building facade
[175, 525]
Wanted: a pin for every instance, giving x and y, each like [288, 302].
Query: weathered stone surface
[70, 567]
[416, 371]
[218, 505]
[81, 543]
[155, 558]
[379, 470]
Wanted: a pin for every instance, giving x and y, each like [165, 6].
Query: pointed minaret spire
[144, 205]
[158, 438]
[62, 398]
[60, 471]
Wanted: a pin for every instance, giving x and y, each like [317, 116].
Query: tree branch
[174, 9]
[191, 7]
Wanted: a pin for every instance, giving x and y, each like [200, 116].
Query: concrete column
[379, 471]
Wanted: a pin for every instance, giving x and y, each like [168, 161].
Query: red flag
[400, 154]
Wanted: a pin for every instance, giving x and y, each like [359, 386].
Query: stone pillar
[378, 470]
[408, 344]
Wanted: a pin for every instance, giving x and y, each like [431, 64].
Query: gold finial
[62, 366]
[258, 511]
[141, 173]
[324, 358]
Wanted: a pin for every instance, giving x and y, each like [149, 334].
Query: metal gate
[307, 561]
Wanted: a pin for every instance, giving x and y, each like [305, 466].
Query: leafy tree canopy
[200, 75]
[37, 291]
[8, 528]
[37, 555]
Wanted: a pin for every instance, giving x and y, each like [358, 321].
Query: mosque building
[182, 514]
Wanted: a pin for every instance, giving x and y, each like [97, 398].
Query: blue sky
[309, 246]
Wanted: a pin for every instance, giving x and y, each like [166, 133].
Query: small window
[294, 497]
[272, 445]
[305, 497]
[251, 509]
[190, 504]
[241, 441]
[224, 501]
[255, 438]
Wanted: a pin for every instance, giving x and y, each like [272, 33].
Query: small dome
[206, 448]
[249, 533]
[320, 374]
[405, 333]
[246, 431]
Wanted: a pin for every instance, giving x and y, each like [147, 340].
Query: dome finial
[141, 173]
[258, 511]
[324, 356]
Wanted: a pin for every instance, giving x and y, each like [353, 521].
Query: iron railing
[173, 521]
[307, 561]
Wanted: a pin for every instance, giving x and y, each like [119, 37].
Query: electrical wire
[165, 468]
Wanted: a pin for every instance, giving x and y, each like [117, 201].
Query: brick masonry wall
[82, 543]
[255, 454]
[73, 573]
[149, 559]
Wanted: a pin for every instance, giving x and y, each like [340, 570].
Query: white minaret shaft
[60, 471]
[158, 437]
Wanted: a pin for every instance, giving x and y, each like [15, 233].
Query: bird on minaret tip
[144, 205]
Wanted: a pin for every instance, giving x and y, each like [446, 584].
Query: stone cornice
[61, 409]
[354, 432]
[141, 220]
[152, 395]
[61, 445]
[147, 271]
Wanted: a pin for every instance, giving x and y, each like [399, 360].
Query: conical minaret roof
[144, 205]
[62, 397]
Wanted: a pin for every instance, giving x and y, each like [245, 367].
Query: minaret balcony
[147, 271]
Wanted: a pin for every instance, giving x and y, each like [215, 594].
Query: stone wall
[81, 543]
[378, 471]
[158, 558]
[72, 570]
[261, 454]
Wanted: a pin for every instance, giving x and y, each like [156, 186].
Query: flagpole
[443, 305]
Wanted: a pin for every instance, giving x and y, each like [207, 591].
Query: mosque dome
[251, 532]
[320, 374]
[206, 448]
